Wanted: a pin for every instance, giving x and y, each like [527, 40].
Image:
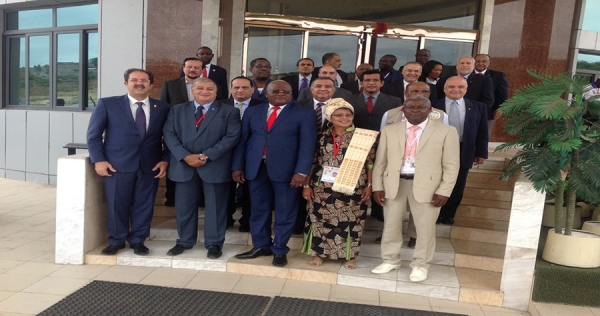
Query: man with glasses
[274, 156]
[124, 139]
[261, 77]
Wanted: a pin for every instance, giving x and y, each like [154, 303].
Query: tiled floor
[30, 281]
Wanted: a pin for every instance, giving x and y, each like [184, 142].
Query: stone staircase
[467, 264]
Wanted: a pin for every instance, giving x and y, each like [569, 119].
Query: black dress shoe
[169, 203]
[443, 220]
[412, 242]
[177, 250]
[244, 228]
[214, 251]
[279, 260]
[112, 250]
[254, 253]
[139, 249]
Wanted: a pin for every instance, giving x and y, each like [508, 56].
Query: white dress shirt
[146, 107]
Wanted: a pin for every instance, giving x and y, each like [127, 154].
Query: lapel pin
[155, 105]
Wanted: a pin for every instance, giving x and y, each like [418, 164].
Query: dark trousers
[449, 210]
[170, 190]
[130, 198]
[245, 219]
[302, 214]
[264, 192]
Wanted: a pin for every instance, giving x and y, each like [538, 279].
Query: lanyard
[198, 121]
[336, 145]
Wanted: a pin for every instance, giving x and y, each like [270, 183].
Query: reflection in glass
[443, 13]
[281, 47]
[67, 70]
[403, 49]
[16, 71]
[28, 19]
[590, 16]
[92, 69]
[344, 45]
[448, 52]
[78, 15]
[39, 70]
[588, 62]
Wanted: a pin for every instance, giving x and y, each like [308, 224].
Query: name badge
[329, 174]
[408, 165]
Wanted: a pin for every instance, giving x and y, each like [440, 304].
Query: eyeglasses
[262, 67]
[139, 80]
[280, 92]
[416, 108]
[343, 115]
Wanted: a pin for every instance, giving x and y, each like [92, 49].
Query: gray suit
[215, 137]
[339, 93]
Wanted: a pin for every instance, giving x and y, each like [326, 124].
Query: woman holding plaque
[338, 187]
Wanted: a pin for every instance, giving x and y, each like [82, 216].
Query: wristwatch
[302, 174]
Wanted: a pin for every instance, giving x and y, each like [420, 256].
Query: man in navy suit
[482, 64]
[303, 78]
[178, 91]
[469, 117]
[201, 136]
[130, 158]
[241, 98]
[214, 72]
[261, 77]
[274, 155]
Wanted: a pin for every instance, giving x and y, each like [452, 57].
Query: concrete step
[478, 234]
[468, 201]
[485, 176]
[488, 194]
[496, 214]
[481, 223]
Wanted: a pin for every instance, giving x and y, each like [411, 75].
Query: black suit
[474, 144]
[245, 219]
[342, 74]
[352, 86]
[500, 89]
[480, 88]
[294, 81]
[219, 76]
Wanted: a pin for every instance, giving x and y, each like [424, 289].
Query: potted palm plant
[558, 140]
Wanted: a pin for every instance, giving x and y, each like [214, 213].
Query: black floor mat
[113, 298]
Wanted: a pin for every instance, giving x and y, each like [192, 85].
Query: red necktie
[270, 122]
[370, 104]
[205, 73]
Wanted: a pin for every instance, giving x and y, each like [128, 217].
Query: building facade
[60, 56]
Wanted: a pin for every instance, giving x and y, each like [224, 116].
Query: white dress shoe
[418, 274]
[385, 268]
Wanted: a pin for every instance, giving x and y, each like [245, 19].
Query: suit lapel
[190, 113]
[401, 130]
[124, 104]
[426, 134]
[183, 89]
[286, 110]
[153, 113]
[469, 117]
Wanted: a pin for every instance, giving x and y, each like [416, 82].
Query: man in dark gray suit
[325, 71]
[201, 136]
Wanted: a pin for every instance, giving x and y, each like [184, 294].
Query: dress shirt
[482, 72]
[339, 80]
[271, 111]
[146, 107]
[405, 84]
[375, 97]
[461, 110]
[300, 77]
[245, 105]
[417, 138]
[433, 82]
[322, 108]
[188, 88]
[206, 107]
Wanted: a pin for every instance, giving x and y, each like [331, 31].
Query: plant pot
[586, 209]
[596, 214]
[592, 227]
[548, 216]
[580, 250]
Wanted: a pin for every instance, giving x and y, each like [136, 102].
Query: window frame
[53, 32]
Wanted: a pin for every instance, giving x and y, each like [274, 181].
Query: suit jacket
[436, 162]
[480, 89]
[362, 118]
[339, 93]
[352, 86]
[310, 104]
[342, 74]
[394, 76]
[290, 143]
[475, 131]
[219, 76]
[174, 91]
[397, 90]
[231, 101]
[122, 146]
[216, 137]
[260, 95]
[500, 89]
[294, 81]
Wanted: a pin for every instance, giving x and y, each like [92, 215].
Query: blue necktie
[140, 120]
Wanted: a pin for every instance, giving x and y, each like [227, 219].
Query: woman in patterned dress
[335, 221]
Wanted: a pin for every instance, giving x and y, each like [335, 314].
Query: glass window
[67, 70]
[29, 19]
[588, 62]
[403, 49]
[448, 52]
[92, 69]
[344, 45]
[443, 13]
[281, 47]
[16, 71]
[590, 16]
[39, 70]
[79, 15]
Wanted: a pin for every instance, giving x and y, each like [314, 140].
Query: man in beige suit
[424, 178]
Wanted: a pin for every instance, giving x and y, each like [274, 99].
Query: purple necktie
[304, 84]
[140, 120]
